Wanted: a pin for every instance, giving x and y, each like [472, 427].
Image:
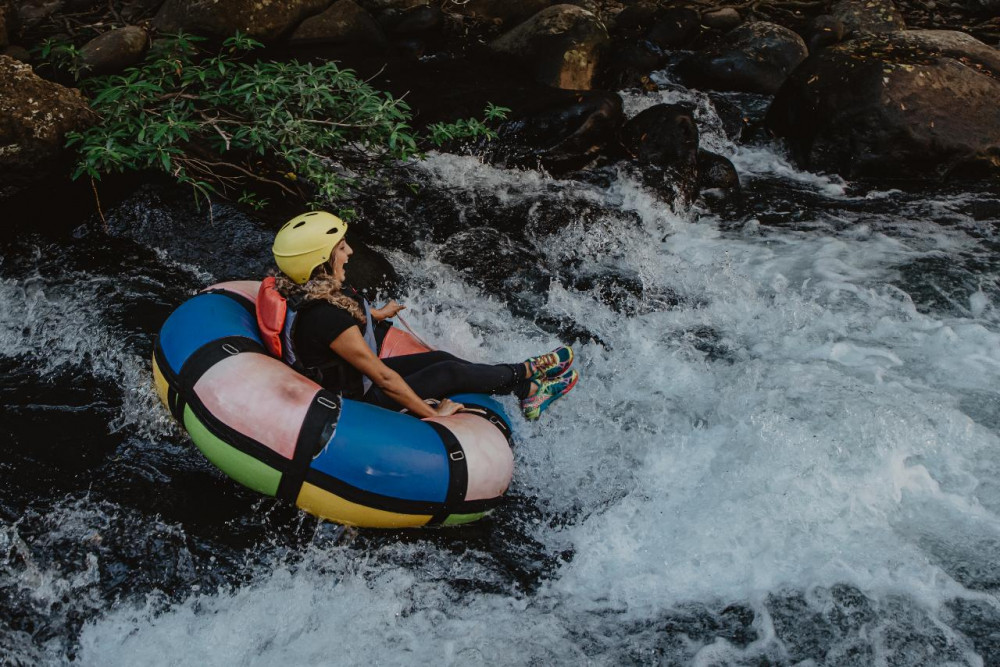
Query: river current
[784, 449]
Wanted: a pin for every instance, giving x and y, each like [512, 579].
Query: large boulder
[559, 135]
[35, 116]
[904, 104]
[755, 58]
[663, 140]
[114, 50]
[261, 19]
[343, 23]
[560, 46]
[868, 17]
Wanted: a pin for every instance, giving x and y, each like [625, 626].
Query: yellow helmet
[305, 242]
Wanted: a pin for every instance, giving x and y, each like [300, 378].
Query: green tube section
[245, 469]
[459, 519]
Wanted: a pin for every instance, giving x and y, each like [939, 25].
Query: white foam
[794, 422]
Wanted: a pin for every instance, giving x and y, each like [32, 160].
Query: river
[785, 446]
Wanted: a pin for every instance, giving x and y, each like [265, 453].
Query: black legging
[440, 374]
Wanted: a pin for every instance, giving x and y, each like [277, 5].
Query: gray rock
[905, 104]
[345, 22]
[717, 172]
[868, 17]
[260, 19]
[35, 116]
[114, 51]
[726, 18]
[755, 59]
[560, 46]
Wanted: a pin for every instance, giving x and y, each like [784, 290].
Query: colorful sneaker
[551, 365]
[549, 391]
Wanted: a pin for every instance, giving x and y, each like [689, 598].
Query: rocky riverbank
[861, 88]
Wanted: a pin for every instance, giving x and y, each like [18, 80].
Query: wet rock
[756, 58]
[562, 135]
[560, 46]
[488, 257]
[506, 12]
[903, 104]
[32, 12]
[822, 31]
[628, 63]
[734, 121]
[664, 135]
[717, 172]
[35, 116]
[723, 19]
[114, 51]
[343, 23]
[674, 28]
[261, 19]
[370, 272]
[621, 289]
[663, 140]
[868, 17]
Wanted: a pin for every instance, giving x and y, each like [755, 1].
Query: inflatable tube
[283, 435]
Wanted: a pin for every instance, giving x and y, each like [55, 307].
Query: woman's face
[338, 260]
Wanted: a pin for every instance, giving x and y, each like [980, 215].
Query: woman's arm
[351, 347]
[388, 310]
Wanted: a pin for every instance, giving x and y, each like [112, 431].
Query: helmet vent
[309, 214]
[299, 225]
[333, 230]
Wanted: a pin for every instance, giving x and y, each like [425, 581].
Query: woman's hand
[390, 309]
[447, 407]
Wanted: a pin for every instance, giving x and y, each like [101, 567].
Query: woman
[331, 334]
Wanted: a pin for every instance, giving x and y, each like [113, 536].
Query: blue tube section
[485, 401]
[387, 453]
[200, 320]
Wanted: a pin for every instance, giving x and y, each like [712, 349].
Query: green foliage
[225, 124]
[61, 56]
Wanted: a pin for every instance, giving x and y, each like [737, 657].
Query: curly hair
[321, 286]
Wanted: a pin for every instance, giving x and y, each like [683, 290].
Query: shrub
[227, 125]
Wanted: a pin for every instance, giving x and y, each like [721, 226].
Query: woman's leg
[449, 375]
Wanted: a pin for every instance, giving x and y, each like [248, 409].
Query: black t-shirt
[319, 324]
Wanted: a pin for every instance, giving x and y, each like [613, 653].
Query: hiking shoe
[549, 391]
[551, 365]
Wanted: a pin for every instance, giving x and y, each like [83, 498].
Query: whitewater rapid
[789, 449]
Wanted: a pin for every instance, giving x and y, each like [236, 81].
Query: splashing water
[793, 457]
